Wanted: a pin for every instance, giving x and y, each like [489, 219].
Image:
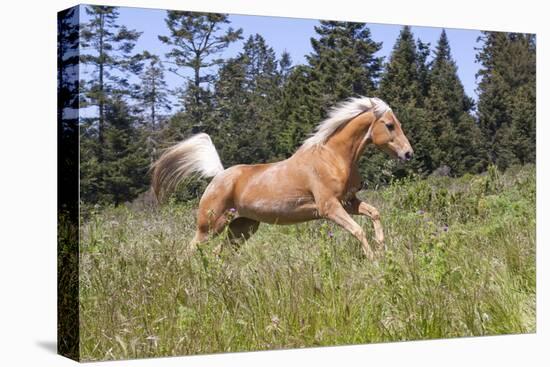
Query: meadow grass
[460, 261]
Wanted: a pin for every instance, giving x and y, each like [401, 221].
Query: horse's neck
[350, 141]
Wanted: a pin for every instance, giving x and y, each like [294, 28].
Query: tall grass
[460, 261]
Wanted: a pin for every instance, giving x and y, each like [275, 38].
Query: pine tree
[122, 174]
[285, 67]
[197, 39]
[343, 61]
[401, 83]
[230, 101]
[457, 143]
[423, 52]
[261, 82]
[300, 109]
[245, 92]
[507, 97]
[153, 93]
[111, 46]
[401, 86]
[343, 64]
[112, 155]
[67, 62]
[67, 109]
[127, 159]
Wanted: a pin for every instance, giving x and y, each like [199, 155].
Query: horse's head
[388, 136]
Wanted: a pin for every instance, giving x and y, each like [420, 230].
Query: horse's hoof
[218, 251]
[191, 249]
[369, 254]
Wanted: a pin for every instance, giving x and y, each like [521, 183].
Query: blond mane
[341, 115]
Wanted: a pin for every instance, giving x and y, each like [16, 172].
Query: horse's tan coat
[318, 181]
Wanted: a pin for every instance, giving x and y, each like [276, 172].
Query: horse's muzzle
[407, 156]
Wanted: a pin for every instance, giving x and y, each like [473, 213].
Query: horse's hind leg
[241, 229]
[209, 222]
[200, 236]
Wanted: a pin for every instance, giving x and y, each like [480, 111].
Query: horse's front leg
[359, 207]
[333, 210]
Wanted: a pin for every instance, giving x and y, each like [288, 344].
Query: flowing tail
[195, 155]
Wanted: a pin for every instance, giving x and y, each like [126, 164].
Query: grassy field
[460, 262]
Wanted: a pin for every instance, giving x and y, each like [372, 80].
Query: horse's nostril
[408, 155]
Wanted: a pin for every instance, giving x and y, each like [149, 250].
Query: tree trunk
[101, 90]
[196, 92]
[153, 101]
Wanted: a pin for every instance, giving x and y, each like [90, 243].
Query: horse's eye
[390, 127]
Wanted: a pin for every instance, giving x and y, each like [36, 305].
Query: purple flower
[330, 234]
[420, 212]
[232, 210]
[445, 228]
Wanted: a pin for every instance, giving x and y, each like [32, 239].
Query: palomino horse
[319, 181]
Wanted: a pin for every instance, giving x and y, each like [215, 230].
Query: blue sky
[293, 35]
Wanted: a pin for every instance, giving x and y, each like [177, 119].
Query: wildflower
[420, 212]
[445, 228]
[274, 325]
[330, 234]
[232, 213]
